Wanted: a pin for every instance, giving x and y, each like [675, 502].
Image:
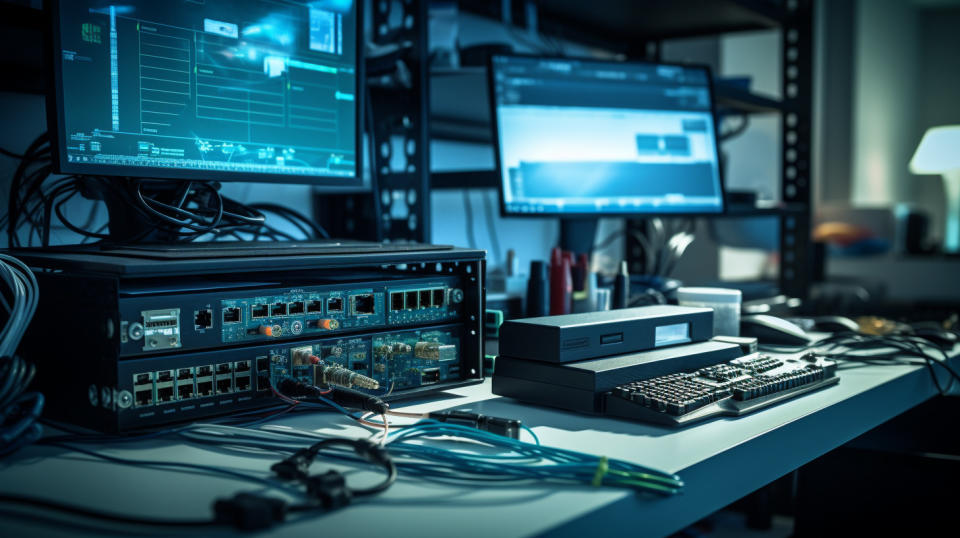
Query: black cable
[901, 346]
[294, 217]
[330, 487]
[736, 131]
[8, 153]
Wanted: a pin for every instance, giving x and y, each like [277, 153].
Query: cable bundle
[484, 458]
[172, 209]
[19, 410]
[888, 349]
[515, 460]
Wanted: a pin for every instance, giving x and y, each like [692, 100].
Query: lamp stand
[951, 187]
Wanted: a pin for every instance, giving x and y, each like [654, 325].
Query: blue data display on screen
[584, 137]
[241, 87]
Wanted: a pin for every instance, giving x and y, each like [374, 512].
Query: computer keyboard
[733, 388]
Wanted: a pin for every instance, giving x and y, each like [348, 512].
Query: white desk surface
[720, 461]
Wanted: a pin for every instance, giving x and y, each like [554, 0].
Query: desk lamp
[939, 153]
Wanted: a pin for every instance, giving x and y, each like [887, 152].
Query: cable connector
[248, 511]
[330, 488]
[293, 467]
[358, 400]
[506, 427]
[371, 451]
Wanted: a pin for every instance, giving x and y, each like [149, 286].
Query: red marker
[561, 283]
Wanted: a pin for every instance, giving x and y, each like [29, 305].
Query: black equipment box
[139, 335]
[574, 337]
[580, 386]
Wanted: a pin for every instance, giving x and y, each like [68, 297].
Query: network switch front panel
[171, 388]
[156, 342]
[152, 322]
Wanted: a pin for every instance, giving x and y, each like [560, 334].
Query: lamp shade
[938, 152]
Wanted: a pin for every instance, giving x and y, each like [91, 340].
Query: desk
[720, 460]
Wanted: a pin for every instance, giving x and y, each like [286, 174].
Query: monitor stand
[578, 234]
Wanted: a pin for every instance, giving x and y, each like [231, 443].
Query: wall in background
[884, 96]
[938, 98]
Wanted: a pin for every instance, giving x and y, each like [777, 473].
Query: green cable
[602, 467]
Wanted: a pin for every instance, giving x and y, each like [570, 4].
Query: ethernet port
[224, 385]
[263, 374]
[412, 300]
[224, 378]
[429, 376]
[279, 309]
[204, 388]
[185, 384]
[166, 376]
[185, 391]
[203, 319]
[334, 304]
[437, 297]
[425, 299]
[242, 383]
[314, 307]
[259, 311]
[363, 304]
[231, 315]
[241, 367]
[296, 308]
[143, 379]
[165, 394]
[143, 397]
[396, 300]
[204, 371]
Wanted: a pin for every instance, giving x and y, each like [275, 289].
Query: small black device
[580, 386]
[538, 290]
[158, 335]
[773, 330]
[573, 337]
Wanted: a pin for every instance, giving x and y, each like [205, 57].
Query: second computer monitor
[591, 138]
[234, 90]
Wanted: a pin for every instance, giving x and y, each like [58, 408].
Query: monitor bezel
[57, 129]
[498, 166]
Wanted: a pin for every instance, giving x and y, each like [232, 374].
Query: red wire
[289, 400]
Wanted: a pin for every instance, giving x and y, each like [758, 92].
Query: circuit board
[396, 360]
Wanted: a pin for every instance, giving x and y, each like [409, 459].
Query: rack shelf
[632, 22]
[459, 104]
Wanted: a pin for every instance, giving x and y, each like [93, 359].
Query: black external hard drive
[574, 337]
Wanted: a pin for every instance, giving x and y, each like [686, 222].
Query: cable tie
[603, 466]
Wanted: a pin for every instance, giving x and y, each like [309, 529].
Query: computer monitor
[243, 90]
[590, 138]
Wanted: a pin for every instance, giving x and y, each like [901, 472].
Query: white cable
[25, 293]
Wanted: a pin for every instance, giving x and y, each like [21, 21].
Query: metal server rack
[795, 21]
[397, 101]
[796, 246]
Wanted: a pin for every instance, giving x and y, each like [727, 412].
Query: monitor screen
[250, 90]
[578, 137]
